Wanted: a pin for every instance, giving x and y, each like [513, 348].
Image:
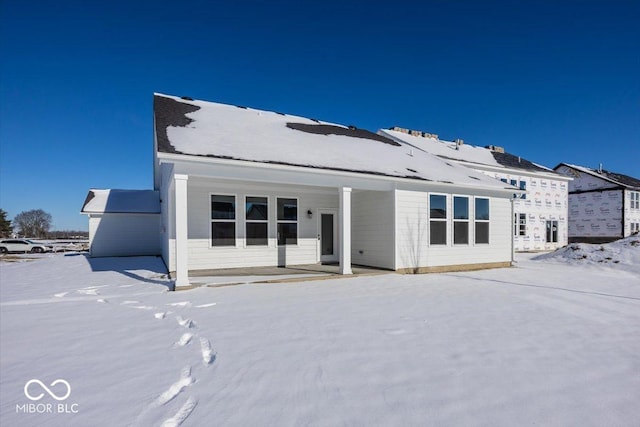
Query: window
[223, 220]
[460, 220]
[482, 220]
[287, 221]
[520, 224]
[635, 227]
[635, 200]
[437, 219]
[552, 231]
[257, 220]
[523, 186]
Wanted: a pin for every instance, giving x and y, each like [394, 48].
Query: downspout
[511, 232]
[623, 206]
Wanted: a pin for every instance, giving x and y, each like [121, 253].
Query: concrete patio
[294, 273]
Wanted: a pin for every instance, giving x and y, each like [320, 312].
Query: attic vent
[241, 106]
[186, 98]
[495, 148]
[473, 177]
[315, 120]
[280, 114]
[352, 127]
[412, 170]
[449, 164]
[411, 132]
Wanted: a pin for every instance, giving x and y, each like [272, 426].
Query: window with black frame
[287, 221]
[257, 221]
[482, 220]
[460, 220]
[223, 220]
[437, 219]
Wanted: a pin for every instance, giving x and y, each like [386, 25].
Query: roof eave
[171, 157]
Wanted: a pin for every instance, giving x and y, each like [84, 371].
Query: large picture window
[256, 220]
[287, 221]
[223, 220]
[460, 220]
[437, 219]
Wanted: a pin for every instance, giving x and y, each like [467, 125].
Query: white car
[23, 245]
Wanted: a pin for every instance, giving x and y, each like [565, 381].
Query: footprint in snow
[88, 291]
[160, 315]
[142, 307]
[206, 305]
[101, 300]
[60, 295]
[182, 414]
[184, 339]
[185, 380]
[181, 304]
[186, 323]
[208, 355]
[129, 302]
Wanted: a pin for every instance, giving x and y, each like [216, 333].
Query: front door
[328, 235]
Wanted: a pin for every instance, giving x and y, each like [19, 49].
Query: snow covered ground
[549, 342]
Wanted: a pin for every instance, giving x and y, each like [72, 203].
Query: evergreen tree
[6, 229]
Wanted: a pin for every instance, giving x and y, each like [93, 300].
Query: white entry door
[328, 235]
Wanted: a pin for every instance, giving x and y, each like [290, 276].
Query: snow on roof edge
[121, 201]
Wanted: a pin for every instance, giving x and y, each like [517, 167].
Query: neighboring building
[603, 206]
[123, 222]
[241, 187]
[540, 217]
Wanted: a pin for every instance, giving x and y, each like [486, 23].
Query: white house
[603, 205]
[240, 187]
[123, 222]
[540, 218]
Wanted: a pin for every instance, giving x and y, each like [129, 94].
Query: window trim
[519, 227]
[551, 230]
[255, 221]
[285, 221]
[454, 220]
[634, 200]
[445, 219]
[236, 221]
[483, 221]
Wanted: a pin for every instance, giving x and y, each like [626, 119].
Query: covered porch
[325, 213]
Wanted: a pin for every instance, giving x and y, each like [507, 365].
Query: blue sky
[551, 81]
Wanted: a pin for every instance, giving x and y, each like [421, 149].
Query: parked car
[23, 245]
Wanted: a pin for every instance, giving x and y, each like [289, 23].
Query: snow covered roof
[616, 178]
[464, 152]
[199, 128]
[122, 201]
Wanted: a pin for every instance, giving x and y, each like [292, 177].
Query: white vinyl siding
[412, 233]
[203, 256]
[372, 228]
[124, 234]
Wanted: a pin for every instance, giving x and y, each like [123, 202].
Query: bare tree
[33, 223]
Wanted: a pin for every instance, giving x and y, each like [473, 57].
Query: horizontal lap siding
[372, 241]
[412, 222]
[125, 235]
[202, 256]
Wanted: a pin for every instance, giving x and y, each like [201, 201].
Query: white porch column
[344, 230]
[182, 236]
